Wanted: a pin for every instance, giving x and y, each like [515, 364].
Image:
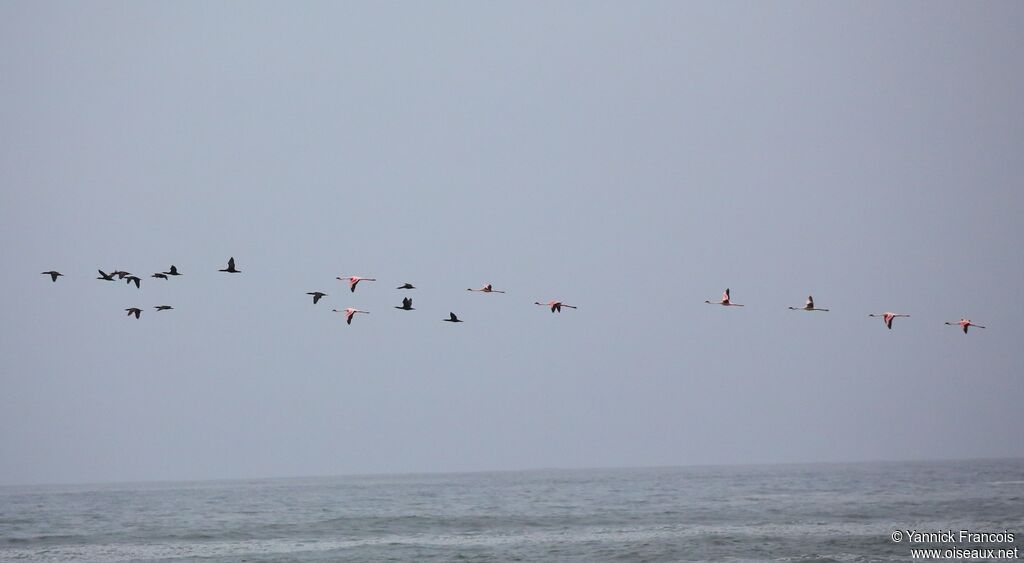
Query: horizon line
[105, 483]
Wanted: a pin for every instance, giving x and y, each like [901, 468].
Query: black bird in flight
[173, 271]
[452, 318]
[53, 274]
[406, 305]
[231, 267]
[403, 286]
[316, 295]
[134, 311]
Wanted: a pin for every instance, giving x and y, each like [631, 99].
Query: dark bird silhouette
[556, 306]
[231, 267]
[316, 295]
[159, 275]
[163, 307]
[133, 279]
[173, 271]
[406, 305]
[105, 276]
[120, 274]
[134, 311]
[452, 318]
[406, 286]
[53, 274]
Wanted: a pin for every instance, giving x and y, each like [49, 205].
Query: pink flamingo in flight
[888, 317]
[556, 306]
[809, 306]
[725, 300]
[349, 313]
[964, 323]
[354, 280]
[486, 289]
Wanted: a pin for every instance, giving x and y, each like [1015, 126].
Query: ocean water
[805, 513]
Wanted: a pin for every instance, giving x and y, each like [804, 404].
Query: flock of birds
[353, 281]
[887, 316]
[349, 312]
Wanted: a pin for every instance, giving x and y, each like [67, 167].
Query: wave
[620, 537]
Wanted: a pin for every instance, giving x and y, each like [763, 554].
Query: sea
[801, 513]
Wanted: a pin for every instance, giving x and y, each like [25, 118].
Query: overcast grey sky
[633, 159]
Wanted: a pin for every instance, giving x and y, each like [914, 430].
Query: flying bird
[353, 280]
[163, 307]
[316, 295]
[349, 313]
[486, 289]
[964, 323]
[406, 286]
[452, 318]
[888, 317]
[53, 274]
[809, 306]
[134, 311]
[556, 306]
[231, 267]
[160, 275]
[406, 305]
[105, 276]
[120, 274]
[133, 279]
[725, 300]
[173, 271]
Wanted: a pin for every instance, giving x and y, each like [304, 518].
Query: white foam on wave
[213, 549]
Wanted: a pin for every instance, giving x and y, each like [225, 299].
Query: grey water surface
[813, 512]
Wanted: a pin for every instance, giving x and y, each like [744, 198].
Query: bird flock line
[554, 306]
